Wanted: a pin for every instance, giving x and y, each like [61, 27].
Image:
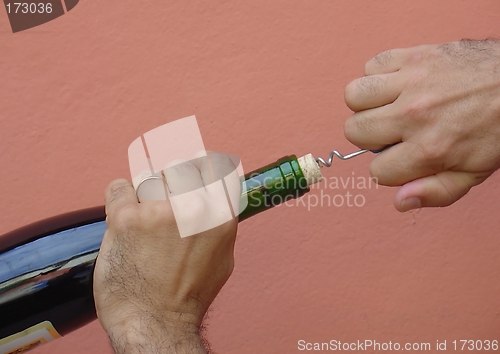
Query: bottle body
[46, 269]
[46, 272]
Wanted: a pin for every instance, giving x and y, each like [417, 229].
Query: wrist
[151, 334]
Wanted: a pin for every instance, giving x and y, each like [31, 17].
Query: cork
[310, 168]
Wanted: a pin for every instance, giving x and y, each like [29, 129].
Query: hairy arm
[155, 335]
[152, 287]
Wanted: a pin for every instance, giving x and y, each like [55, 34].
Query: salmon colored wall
[265, 79]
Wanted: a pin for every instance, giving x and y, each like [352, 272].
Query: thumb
[439, 190]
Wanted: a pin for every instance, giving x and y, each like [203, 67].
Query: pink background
[265, 79]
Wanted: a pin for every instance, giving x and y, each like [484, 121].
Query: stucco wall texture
[265, 79]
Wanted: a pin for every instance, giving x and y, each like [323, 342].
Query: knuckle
[220, 157]
[117, 191]
[182, 169]
[432, 153]
[158, 215]
[449, 48]
[366, 87]
[417, 54]
[350, 130]
[446, 191]
[127, 214]
[116, 187]
[125, 217]
[368, 68]
[382, 59]
[447, 198]
[418, 107]
[376, 173]
[371, 85]
[350, 93]
[416, 81]
[150, 217]
[220, 165]
[367, 124]
[358, 126]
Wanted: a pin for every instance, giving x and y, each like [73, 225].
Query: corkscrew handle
[380, 150]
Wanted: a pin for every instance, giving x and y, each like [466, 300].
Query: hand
[441, 103]
[152, 288]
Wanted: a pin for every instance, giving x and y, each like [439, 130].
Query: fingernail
[410, 203]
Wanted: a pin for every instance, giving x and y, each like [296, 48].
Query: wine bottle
[46, 268]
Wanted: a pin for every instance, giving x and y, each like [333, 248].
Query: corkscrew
[329, 161]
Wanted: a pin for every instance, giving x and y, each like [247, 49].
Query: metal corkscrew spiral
[328, 162]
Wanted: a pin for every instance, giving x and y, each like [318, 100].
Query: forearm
[152, 336]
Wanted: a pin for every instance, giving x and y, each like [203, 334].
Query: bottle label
[28, 339]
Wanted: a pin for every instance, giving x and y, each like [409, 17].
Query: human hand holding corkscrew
[437, 108]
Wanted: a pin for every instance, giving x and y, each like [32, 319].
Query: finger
[182, 178]
[401, 164]
[393, 60]
[215, 166]
[373, 91]
[119, 193]
[222, 167]
[374, 128]
[439, 190]
[151, 188]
